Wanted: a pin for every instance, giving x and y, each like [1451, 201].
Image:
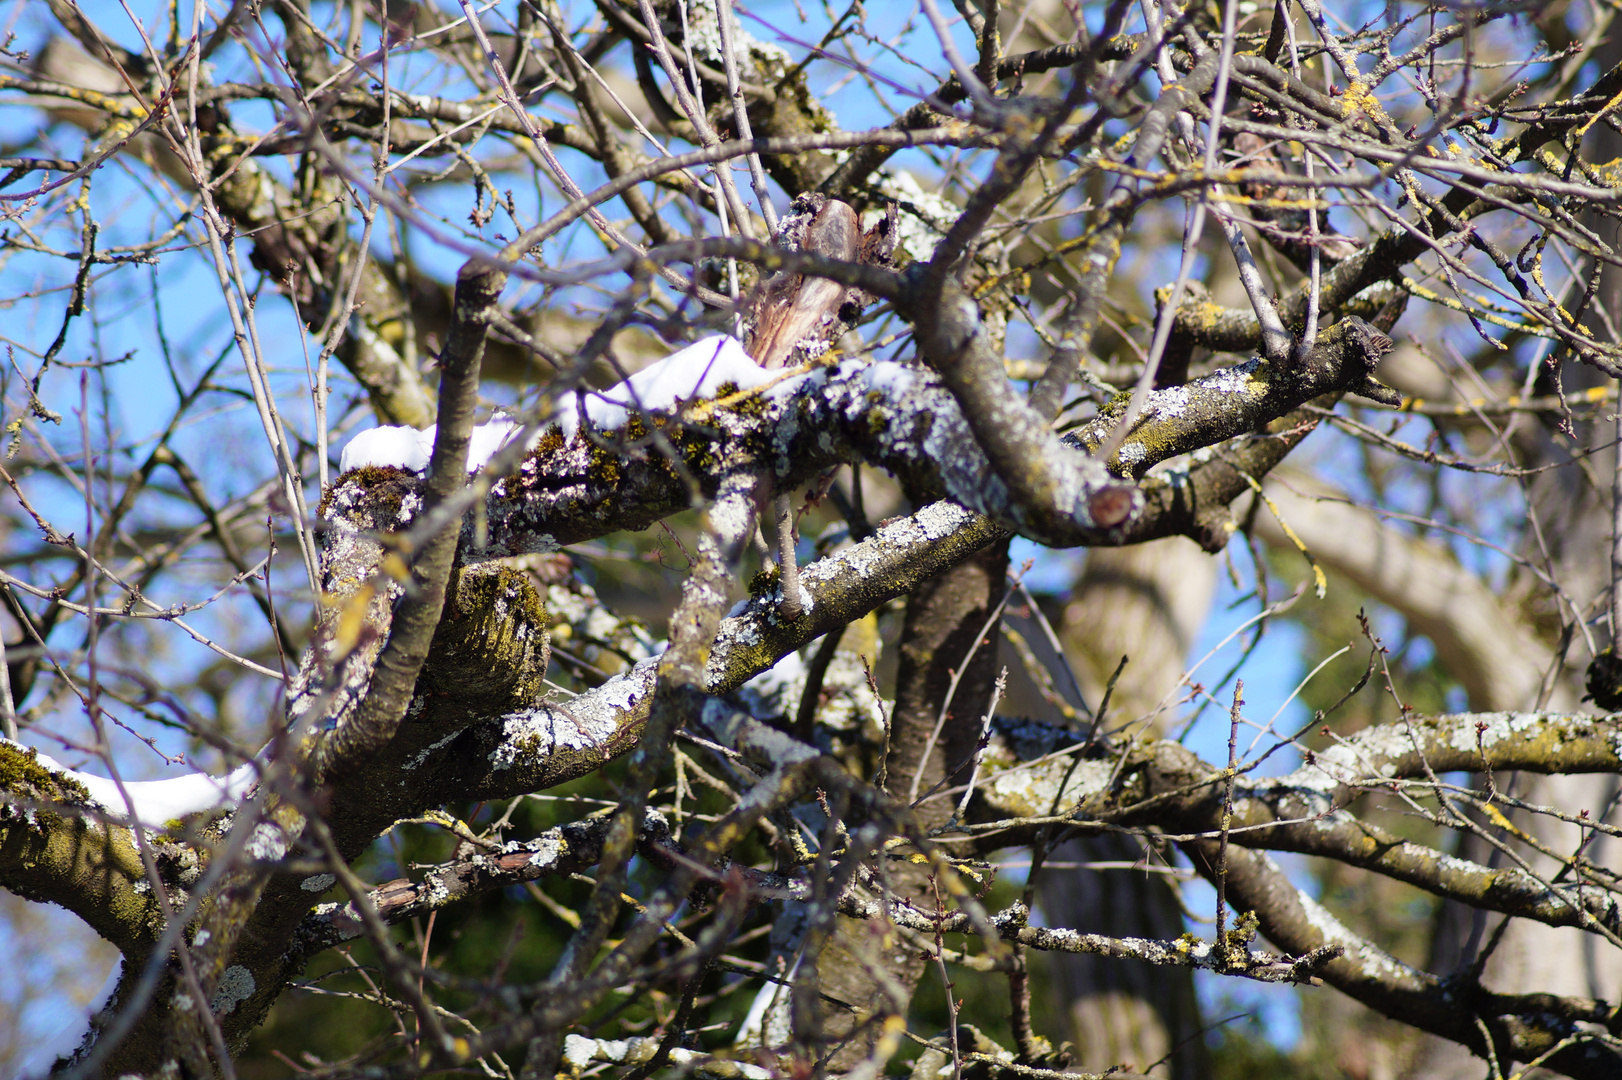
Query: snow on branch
[698, 371]
[155, 802]
[409, 448]
[579, 1052]
[899, 417]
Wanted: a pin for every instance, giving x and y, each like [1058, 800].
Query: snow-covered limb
[579, 1051]
[896, 416]
[899, 417]
[154, 802]
[409, 448]
[700, 370]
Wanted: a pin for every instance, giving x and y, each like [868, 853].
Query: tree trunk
[1145, 602]
[865, 964]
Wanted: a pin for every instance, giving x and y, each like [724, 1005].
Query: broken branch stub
[796, 317]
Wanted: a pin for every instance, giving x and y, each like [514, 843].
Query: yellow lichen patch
[550, 442]
[1609, 174]
[20, 767]
[1592, 120]
[1204, 314]
[89, 867]
[1136, 173]
[1482, 313]
[765, 581]
[119, 104]
[367, 476]
[492, 646]
[1359, 97]
[604, 465]
[1272, 203]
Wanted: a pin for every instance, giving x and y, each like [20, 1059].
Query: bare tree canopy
[534, 537]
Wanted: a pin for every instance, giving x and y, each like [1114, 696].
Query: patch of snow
[791, 385]
[694, 372]
[488, 438]
[401, 447]
[411, 448]
[579, 1050]
[153, 802]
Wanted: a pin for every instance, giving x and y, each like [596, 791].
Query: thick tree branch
[412, 630]
[902, 419]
